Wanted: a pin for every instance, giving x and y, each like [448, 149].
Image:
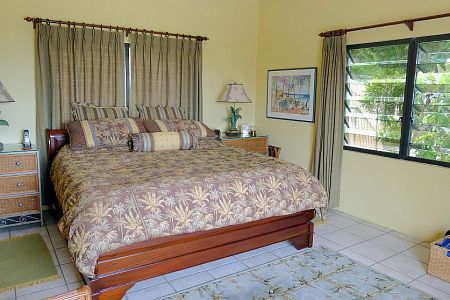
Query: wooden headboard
[56, 138]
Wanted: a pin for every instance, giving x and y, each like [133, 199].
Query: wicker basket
[439, 264]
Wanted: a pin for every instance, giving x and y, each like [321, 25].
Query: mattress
[113, 198]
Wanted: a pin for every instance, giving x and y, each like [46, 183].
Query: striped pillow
[86, 111]
[102, 133]
[161, 141]
[159, 112]
[194, 128]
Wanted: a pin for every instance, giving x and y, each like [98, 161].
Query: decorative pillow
[160, 112]
[86, 111]
[195, 128]
[160, 141]
[102, 133]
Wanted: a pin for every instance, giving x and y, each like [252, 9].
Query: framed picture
[291, 94]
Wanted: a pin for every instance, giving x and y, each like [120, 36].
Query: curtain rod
[127, 30]
[408, 22]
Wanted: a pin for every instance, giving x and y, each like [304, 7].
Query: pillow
[160, 112]
[86, 111]
[195, 128]
[102, 133]
[160, 141]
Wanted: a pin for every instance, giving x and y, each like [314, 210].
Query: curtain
[166, 72]
[330, 127]
[74, 64]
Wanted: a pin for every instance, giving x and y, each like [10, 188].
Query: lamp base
[232, 132]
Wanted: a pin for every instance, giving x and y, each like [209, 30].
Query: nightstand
[257, 144]
[20, 188]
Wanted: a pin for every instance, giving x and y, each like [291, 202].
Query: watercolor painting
[291, 94]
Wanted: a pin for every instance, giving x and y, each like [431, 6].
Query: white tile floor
[393, 253]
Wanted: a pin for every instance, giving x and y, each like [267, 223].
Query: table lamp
[234, 93]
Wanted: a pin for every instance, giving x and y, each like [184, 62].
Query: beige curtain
[166, 72]
[330, 127]
[75, 64]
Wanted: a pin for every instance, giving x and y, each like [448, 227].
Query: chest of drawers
[20, 198]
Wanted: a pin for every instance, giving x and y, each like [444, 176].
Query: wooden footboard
[119, 270]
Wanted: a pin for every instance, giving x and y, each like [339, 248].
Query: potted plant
[235, 116]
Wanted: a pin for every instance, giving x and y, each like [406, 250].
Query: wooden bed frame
[119, 270]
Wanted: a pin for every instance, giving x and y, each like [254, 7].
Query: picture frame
[291, 94]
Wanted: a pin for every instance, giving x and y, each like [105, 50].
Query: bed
[130, 216]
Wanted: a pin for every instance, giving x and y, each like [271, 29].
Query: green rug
[26, 261]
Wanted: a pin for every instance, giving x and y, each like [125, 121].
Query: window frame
[407, 116]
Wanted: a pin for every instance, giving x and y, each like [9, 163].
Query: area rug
[25, 261]
[317, 273]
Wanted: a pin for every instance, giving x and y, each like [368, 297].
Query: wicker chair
[274, 151]
[83, 293]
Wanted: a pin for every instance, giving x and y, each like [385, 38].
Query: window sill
[397, 156]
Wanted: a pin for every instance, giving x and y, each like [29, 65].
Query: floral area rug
[317, 273]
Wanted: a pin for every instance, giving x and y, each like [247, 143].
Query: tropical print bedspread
[115, 198]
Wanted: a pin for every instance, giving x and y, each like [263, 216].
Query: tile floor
[393, 253]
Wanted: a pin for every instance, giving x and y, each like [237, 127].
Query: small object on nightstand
[253, 131]
[217, 133]
[245, 130]
[20, 199]
[26, 140]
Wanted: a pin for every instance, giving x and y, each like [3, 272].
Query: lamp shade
[4, 95]
[235, 93]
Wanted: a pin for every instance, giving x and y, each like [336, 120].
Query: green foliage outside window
[382, 72]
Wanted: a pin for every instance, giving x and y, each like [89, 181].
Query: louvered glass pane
[375, 91]
[430, 133]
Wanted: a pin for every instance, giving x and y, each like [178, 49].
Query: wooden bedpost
[56, 138]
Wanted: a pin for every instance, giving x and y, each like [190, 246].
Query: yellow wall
[229, 56]
[410, 197]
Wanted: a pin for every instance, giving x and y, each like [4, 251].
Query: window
[398, 99]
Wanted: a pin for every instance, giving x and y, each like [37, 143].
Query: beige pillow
[86, 111]
[160, 112]
[161, 141]
[194, 128]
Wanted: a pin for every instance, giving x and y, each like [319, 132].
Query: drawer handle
[20, 204]
[18, 163]
[19, 184]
